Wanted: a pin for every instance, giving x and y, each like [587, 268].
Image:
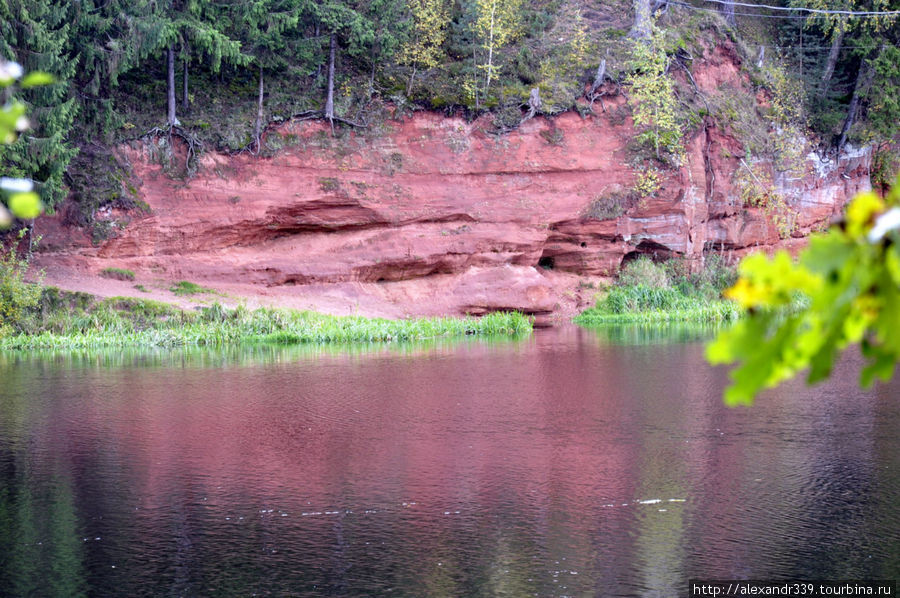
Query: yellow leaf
[861, 213]
[25, 205]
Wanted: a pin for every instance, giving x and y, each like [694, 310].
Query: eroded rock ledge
[435, 215]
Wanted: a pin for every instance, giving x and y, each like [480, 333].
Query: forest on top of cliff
[215, 74]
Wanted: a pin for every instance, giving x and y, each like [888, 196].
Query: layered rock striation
[433, 214]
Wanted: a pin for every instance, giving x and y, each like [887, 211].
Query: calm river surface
[575, 462]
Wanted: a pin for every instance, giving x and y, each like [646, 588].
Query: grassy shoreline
[720, 311]
[78, 321]
[647, 292]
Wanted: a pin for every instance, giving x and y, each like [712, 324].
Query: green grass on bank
[184, 288]
[76, 321]
[647, 292]
[647, 304]
[117, 273]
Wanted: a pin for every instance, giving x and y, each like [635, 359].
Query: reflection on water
[572, 463]
[655, 334]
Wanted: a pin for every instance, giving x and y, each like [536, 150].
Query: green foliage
[17, 297]
[653, 91]
[651, 292]
[329, 184]
[36, 34]
[623, 299]
[266, 29]
[117, 273]
[647, 291]
[771, 134]
[885, 166]
[74, 323]
[496, 23]
[712, 280]
[643, 272]
[561, 70]
[98, 178]
[787, 119]
[756, 188]
[22, 200]
[645, 304]
[553, 136]
[884, 97]
[646, 183]
[185, 288]
[423, 49]
[849, 282]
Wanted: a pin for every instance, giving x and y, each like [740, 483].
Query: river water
[575, 462]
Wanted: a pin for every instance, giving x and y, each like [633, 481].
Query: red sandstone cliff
[435, 215]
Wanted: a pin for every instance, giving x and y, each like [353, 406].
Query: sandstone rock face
[435, 215]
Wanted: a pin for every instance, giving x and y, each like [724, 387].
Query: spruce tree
[191, 28]
[347, 28]
[268, 31]
[107, 39]
[35, 33]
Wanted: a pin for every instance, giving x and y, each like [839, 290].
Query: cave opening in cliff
[546, 262]
[650, 249]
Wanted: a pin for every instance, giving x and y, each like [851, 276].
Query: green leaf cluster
[23, 202]
[653, 90]
[17, 297]
[496, 23]
[844, 289]
[431, 19]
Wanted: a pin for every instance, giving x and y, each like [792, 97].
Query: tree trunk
[863, 82]
[257, 129]
[728, 12]
[184, 86]
[534, 103]
[318, 66]
[836, 41]
[329, 99]
[599, 78]
[475, 77]
[490, 60]
[641, 27]
[372, 78]
[410, 84]
[170, 57]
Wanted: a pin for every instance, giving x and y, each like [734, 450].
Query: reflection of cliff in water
[559, 465]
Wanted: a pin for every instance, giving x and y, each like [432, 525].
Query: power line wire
[738, 14]
[861, 13]
[760, 15]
